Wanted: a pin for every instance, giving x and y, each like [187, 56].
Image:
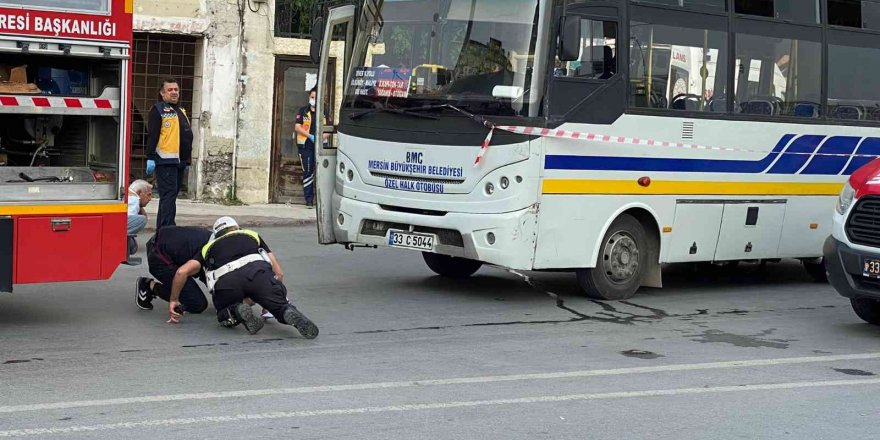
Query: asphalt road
[748, 353]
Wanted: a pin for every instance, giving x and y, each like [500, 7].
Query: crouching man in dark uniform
[169, 249]
[238, 264]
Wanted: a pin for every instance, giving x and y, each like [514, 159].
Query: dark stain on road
[853, 372]
[749, 341]
[21, 361]
[641, 354]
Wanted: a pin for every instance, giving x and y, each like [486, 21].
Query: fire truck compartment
[58, 157]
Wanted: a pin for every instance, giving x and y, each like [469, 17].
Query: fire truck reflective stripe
[64, 209]
[57, 102]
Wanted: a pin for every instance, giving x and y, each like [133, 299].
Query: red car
[852, 252]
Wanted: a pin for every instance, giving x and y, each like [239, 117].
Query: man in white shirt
[140, 192]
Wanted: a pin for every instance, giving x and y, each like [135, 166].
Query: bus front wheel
[623, 258]
[866, 308]
[451, 267]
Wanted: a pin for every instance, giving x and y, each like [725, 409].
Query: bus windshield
[473, 53]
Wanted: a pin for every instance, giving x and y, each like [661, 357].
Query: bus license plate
[412, 241]
[871, 268]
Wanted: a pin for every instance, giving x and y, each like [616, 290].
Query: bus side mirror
[570, 38]
[317, 36]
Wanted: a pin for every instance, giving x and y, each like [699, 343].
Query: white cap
[223, 223]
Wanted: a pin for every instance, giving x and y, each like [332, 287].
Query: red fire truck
[65, 82]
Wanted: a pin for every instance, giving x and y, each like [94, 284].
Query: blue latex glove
[312, 138]
[151, 166]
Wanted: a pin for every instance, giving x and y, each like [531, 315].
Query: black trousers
[307, 157]
[168, 179]
[255, 281]
[191, 297]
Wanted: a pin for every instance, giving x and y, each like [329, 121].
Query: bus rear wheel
[623, 258]
[451, 267]
[866, 308]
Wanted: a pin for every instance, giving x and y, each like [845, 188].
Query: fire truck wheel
[623, 258]
[867, 309]
[816, 270]
[451, 267]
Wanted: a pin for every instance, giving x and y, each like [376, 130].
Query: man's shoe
[251, 322]
[303, 325]
[143, 296]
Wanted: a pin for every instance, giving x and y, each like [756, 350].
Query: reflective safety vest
[212, 276]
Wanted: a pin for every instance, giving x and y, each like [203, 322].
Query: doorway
[294, 77]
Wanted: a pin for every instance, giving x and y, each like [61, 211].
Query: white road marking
[435, 382]
[435, 406]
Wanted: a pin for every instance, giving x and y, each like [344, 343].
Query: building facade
[243, 78]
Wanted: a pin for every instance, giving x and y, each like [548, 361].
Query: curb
[243, 220]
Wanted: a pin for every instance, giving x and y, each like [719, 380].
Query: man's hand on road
[174, 312]
[151, 166]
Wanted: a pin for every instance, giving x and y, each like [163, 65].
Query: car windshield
[474, 53]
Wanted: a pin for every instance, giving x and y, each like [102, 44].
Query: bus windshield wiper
[397, 111]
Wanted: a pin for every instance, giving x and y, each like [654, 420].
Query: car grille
[863, 225]
[448, 237]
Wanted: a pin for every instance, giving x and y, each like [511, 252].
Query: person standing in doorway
[305, 144]
[169, 149]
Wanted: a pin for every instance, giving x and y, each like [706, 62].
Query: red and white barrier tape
[593, 137]
[57, 102]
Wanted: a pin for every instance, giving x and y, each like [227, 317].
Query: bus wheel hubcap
[621, 258]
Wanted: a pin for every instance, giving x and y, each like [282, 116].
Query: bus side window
[598, 58]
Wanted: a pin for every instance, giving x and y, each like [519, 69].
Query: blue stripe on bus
[832, 165]
[791, 163]
[787, 164]
[606, 163]
[869, 146]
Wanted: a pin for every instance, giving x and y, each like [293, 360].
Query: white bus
[779, 129]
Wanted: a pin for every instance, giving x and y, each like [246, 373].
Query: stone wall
[233, 112]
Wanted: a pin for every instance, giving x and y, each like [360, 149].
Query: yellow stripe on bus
[683, 187]
[129, 6]
[63, 209]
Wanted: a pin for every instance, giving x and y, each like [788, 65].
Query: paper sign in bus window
[382, 82]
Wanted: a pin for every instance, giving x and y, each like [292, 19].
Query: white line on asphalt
[435, 406]
[450, 381]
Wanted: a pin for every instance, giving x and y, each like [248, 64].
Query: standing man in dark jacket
[169, 149]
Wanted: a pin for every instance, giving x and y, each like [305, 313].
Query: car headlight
[846, 198]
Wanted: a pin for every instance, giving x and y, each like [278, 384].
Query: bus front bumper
[505, 239]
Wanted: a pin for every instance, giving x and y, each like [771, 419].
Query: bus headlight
[846, 197]
[505, 182]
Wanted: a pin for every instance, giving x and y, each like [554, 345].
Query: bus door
[339, 22]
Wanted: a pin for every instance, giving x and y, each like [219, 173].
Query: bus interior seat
[759, 107]
[850, 112]
[805, 109]
[685, 101]
[717, 105]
